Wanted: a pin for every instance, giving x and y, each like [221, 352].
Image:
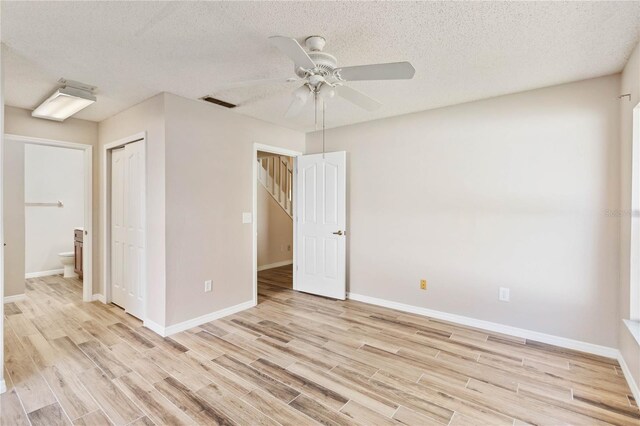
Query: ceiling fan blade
[391, 71]
[295, 107]
[293, 50]
[259, 82]
[358, 98]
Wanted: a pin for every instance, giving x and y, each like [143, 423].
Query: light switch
[246, 217]
[504, 294]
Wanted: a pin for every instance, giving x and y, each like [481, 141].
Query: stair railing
[275, 173]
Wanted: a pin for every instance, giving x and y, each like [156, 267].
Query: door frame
[634, 227]
[87, 244]
[254, 208]
[105, 210]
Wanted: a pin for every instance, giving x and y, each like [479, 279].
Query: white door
[321, 222]
[118, 234]
[128, 230]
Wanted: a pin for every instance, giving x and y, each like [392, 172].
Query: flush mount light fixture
[65, 101]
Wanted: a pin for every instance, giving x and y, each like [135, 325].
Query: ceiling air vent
[218, 102]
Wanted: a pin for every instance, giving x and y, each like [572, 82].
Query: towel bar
[57, 204]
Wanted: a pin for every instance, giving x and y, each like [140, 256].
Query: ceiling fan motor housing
[325, 63]
[315, 43]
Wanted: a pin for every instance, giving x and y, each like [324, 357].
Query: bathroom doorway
[48, 215]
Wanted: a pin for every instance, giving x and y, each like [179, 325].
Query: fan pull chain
[315, 110]
[323, 111]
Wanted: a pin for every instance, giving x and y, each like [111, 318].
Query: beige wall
[510, 191]
[275, 230]
[199, 180]
[629, 83]
[148, 117]
[2, 250]
[13, 193]
[209, 176]
[18, 121]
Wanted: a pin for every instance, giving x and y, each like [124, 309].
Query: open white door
[320, 224]
[128, 228]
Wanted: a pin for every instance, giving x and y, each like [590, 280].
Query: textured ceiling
[461, 51]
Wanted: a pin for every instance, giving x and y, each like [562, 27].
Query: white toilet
[67, 260]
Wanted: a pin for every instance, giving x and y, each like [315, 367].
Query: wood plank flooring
[295, 359]
[280, 277]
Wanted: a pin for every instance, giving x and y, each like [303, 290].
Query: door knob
[337, 233]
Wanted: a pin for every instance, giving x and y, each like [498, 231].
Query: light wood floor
[295, 359]
[280, 277]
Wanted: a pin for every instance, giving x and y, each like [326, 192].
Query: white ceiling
[461, 51]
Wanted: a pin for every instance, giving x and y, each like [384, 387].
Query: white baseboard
[99, 298]
[275, 265]
[512, 331]
[3, 386]
[155, 327]
[15, 298]
[492, 326]
[629, 377]
[185, 325]
[44, 273]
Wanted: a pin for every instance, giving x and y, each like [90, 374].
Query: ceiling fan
[323, 79]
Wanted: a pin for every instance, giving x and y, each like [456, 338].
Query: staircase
[275, 173]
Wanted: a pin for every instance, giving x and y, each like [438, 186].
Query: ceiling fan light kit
[326, 92]
[322, 78]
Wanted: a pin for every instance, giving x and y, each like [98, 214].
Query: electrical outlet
[504, 294]
[289, 247]
[207, 285]
[423, 284]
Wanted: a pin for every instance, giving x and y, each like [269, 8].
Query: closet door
[118, 233]
[134, 196]
[128, 228]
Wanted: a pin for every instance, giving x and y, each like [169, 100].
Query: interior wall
[51, 174]
[629, 83]
[149, 117]
[275, 230]
[13, 218]
[209, 177]
[3, 386]
[506, 192]
[18, 121]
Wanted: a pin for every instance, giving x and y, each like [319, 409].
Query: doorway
[52, 204]
[124, 207]
[318, 215]
[273, 224]
[274, 217]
